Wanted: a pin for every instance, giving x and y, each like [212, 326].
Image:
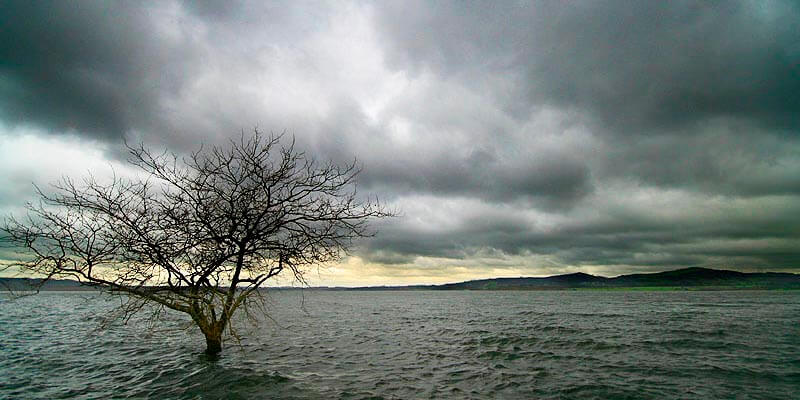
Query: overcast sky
[517, 139]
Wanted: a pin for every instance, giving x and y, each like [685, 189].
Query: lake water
[419, 344]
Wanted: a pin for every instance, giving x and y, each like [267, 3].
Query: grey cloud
[649, 65]
[527, 116]
[734, 162]
[636, 66]
[681, 95]
[753, 233]
[551, 184]
[112, 70]
[95, 68]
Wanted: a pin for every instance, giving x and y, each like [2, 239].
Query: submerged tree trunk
[213, 344]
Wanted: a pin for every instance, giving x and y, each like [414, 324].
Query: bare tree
[200, 234]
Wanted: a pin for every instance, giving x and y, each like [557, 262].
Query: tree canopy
[198, 234]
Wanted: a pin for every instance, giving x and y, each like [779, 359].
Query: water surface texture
[419, 344]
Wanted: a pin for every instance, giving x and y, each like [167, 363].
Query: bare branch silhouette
[200, 234]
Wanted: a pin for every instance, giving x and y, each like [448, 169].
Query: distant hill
[681, 278]
[27, 284]
[687, 277]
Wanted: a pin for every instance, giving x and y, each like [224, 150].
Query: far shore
[685, 279]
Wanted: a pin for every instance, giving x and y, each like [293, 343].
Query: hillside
[687, 277]
[682, 278]
[27, 284]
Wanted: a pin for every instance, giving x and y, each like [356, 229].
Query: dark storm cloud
[747, 162]
[646, 65]
[638, 67]
[621, 134]
[687, 94]
[171, 73]
[97, 68]
[758, 235]
[549, 182]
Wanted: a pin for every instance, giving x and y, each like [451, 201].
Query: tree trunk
[213, 344]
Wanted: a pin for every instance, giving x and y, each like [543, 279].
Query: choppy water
[420, 345]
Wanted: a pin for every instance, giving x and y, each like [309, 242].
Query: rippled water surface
[405, 345]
